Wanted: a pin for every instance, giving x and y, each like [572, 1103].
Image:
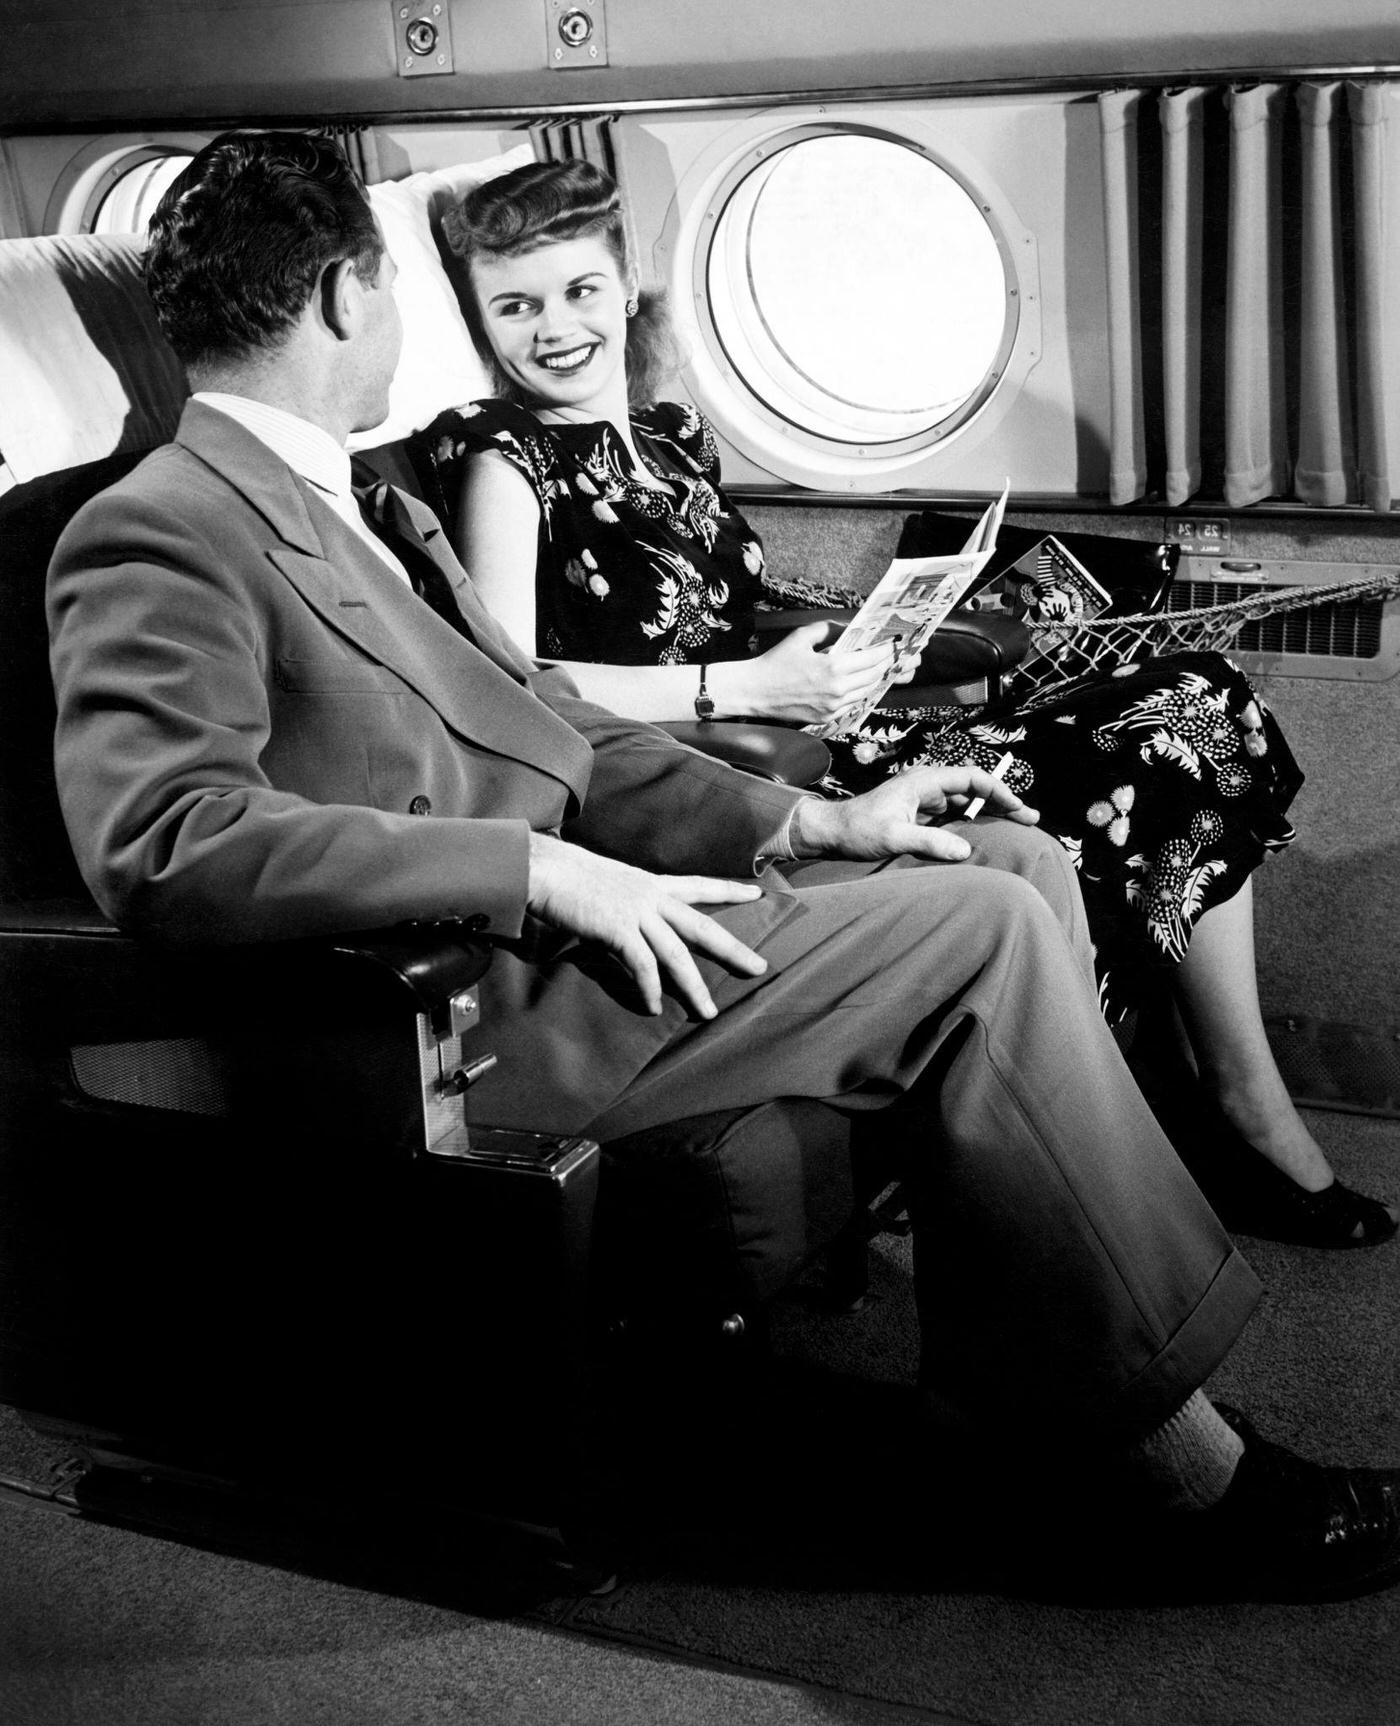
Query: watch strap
[704, 702]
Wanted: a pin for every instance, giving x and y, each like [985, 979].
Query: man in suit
[281, 716]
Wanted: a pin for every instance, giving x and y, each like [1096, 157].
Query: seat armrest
[966, 646]
[243, 1212]
[970, 644]
[67, 970]
[769, 751]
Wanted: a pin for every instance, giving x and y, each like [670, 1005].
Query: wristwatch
[704, 702]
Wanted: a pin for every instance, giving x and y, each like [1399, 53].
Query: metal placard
[1204, 536]
[422, 37]
[575, 34]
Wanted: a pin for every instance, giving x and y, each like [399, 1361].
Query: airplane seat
[244, 1208]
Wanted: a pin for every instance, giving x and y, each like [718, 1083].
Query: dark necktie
[379, 510]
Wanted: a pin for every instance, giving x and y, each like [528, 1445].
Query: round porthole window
[112, 184]
[125, 199]
[856, 290]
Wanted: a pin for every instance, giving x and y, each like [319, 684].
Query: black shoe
[1289, 1529]
[1336, 1216]
[1251, 1195]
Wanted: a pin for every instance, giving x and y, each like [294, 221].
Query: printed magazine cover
[908, 603]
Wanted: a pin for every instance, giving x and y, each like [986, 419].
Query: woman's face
[557, 320]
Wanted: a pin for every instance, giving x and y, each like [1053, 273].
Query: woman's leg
[1219, 1002]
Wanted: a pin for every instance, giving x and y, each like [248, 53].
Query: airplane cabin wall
[1036, 154]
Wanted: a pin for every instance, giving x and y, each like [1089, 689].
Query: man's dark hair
[239, 241]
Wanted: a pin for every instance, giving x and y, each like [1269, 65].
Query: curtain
[1256, 410]
[1366, 107]
[1118, 125]
[587, 140]
[361, 148]
[1245, 338]
[1326, 440]
[12, 223]
[569, 140]
[1183, 181]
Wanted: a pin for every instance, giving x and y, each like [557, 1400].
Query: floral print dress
[1167, 780]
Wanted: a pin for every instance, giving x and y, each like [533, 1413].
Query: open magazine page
[908, 603]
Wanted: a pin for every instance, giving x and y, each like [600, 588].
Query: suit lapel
[429, 549]
[478, 692]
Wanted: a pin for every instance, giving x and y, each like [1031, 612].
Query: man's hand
[648, 921]
[896, 816]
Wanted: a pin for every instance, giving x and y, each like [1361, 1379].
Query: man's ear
[338, 295]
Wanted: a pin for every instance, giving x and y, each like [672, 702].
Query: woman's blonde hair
[540, 205]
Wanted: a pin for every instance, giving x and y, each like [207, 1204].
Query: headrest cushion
[88, 374]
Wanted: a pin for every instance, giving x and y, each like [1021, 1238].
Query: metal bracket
[575, 34]
[422, 37]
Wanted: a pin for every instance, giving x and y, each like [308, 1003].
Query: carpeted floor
[796, 1575]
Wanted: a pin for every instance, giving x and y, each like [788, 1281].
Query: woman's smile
[571, 360]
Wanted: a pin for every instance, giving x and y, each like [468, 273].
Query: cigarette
[974, 809]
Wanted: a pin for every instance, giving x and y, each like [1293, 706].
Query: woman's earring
[631, 307]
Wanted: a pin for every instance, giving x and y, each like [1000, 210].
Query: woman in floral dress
[597, 532]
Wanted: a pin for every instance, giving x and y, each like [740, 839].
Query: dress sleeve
[439, 452]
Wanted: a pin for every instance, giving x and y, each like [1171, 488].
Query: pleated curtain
[590, 139]
[361, 147]
[1244, 308]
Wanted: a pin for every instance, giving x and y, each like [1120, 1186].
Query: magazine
[1049, 585]
[908, 603]
[1054, 594]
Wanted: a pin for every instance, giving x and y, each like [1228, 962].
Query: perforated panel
[444, 1110]
[185, 1075]
[1355, 1068]
[1357, 639]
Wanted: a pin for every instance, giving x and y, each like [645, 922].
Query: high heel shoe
[1281, 1210]
[1253, 1196]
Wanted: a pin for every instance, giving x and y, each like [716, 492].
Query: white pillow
[439, 367]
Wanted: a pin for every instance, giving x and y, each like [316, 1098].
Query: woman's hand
[797, 682]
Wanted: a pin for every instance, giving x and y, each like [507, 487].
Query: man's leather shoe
[1289, 1529]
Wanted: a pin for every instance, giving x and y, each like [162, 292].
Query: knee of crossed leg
[1037, 858]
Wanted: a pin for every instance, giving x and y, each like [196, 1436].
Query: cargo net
[1064, 650]
[797, 593]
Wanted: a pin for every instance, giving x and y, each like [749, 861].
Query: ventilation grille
[185, 1075]
[1351, 630]
[1328, 1065]
[1349, 638]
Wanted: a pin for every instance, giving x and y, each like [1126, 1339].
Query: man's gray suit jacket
[263, 733]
